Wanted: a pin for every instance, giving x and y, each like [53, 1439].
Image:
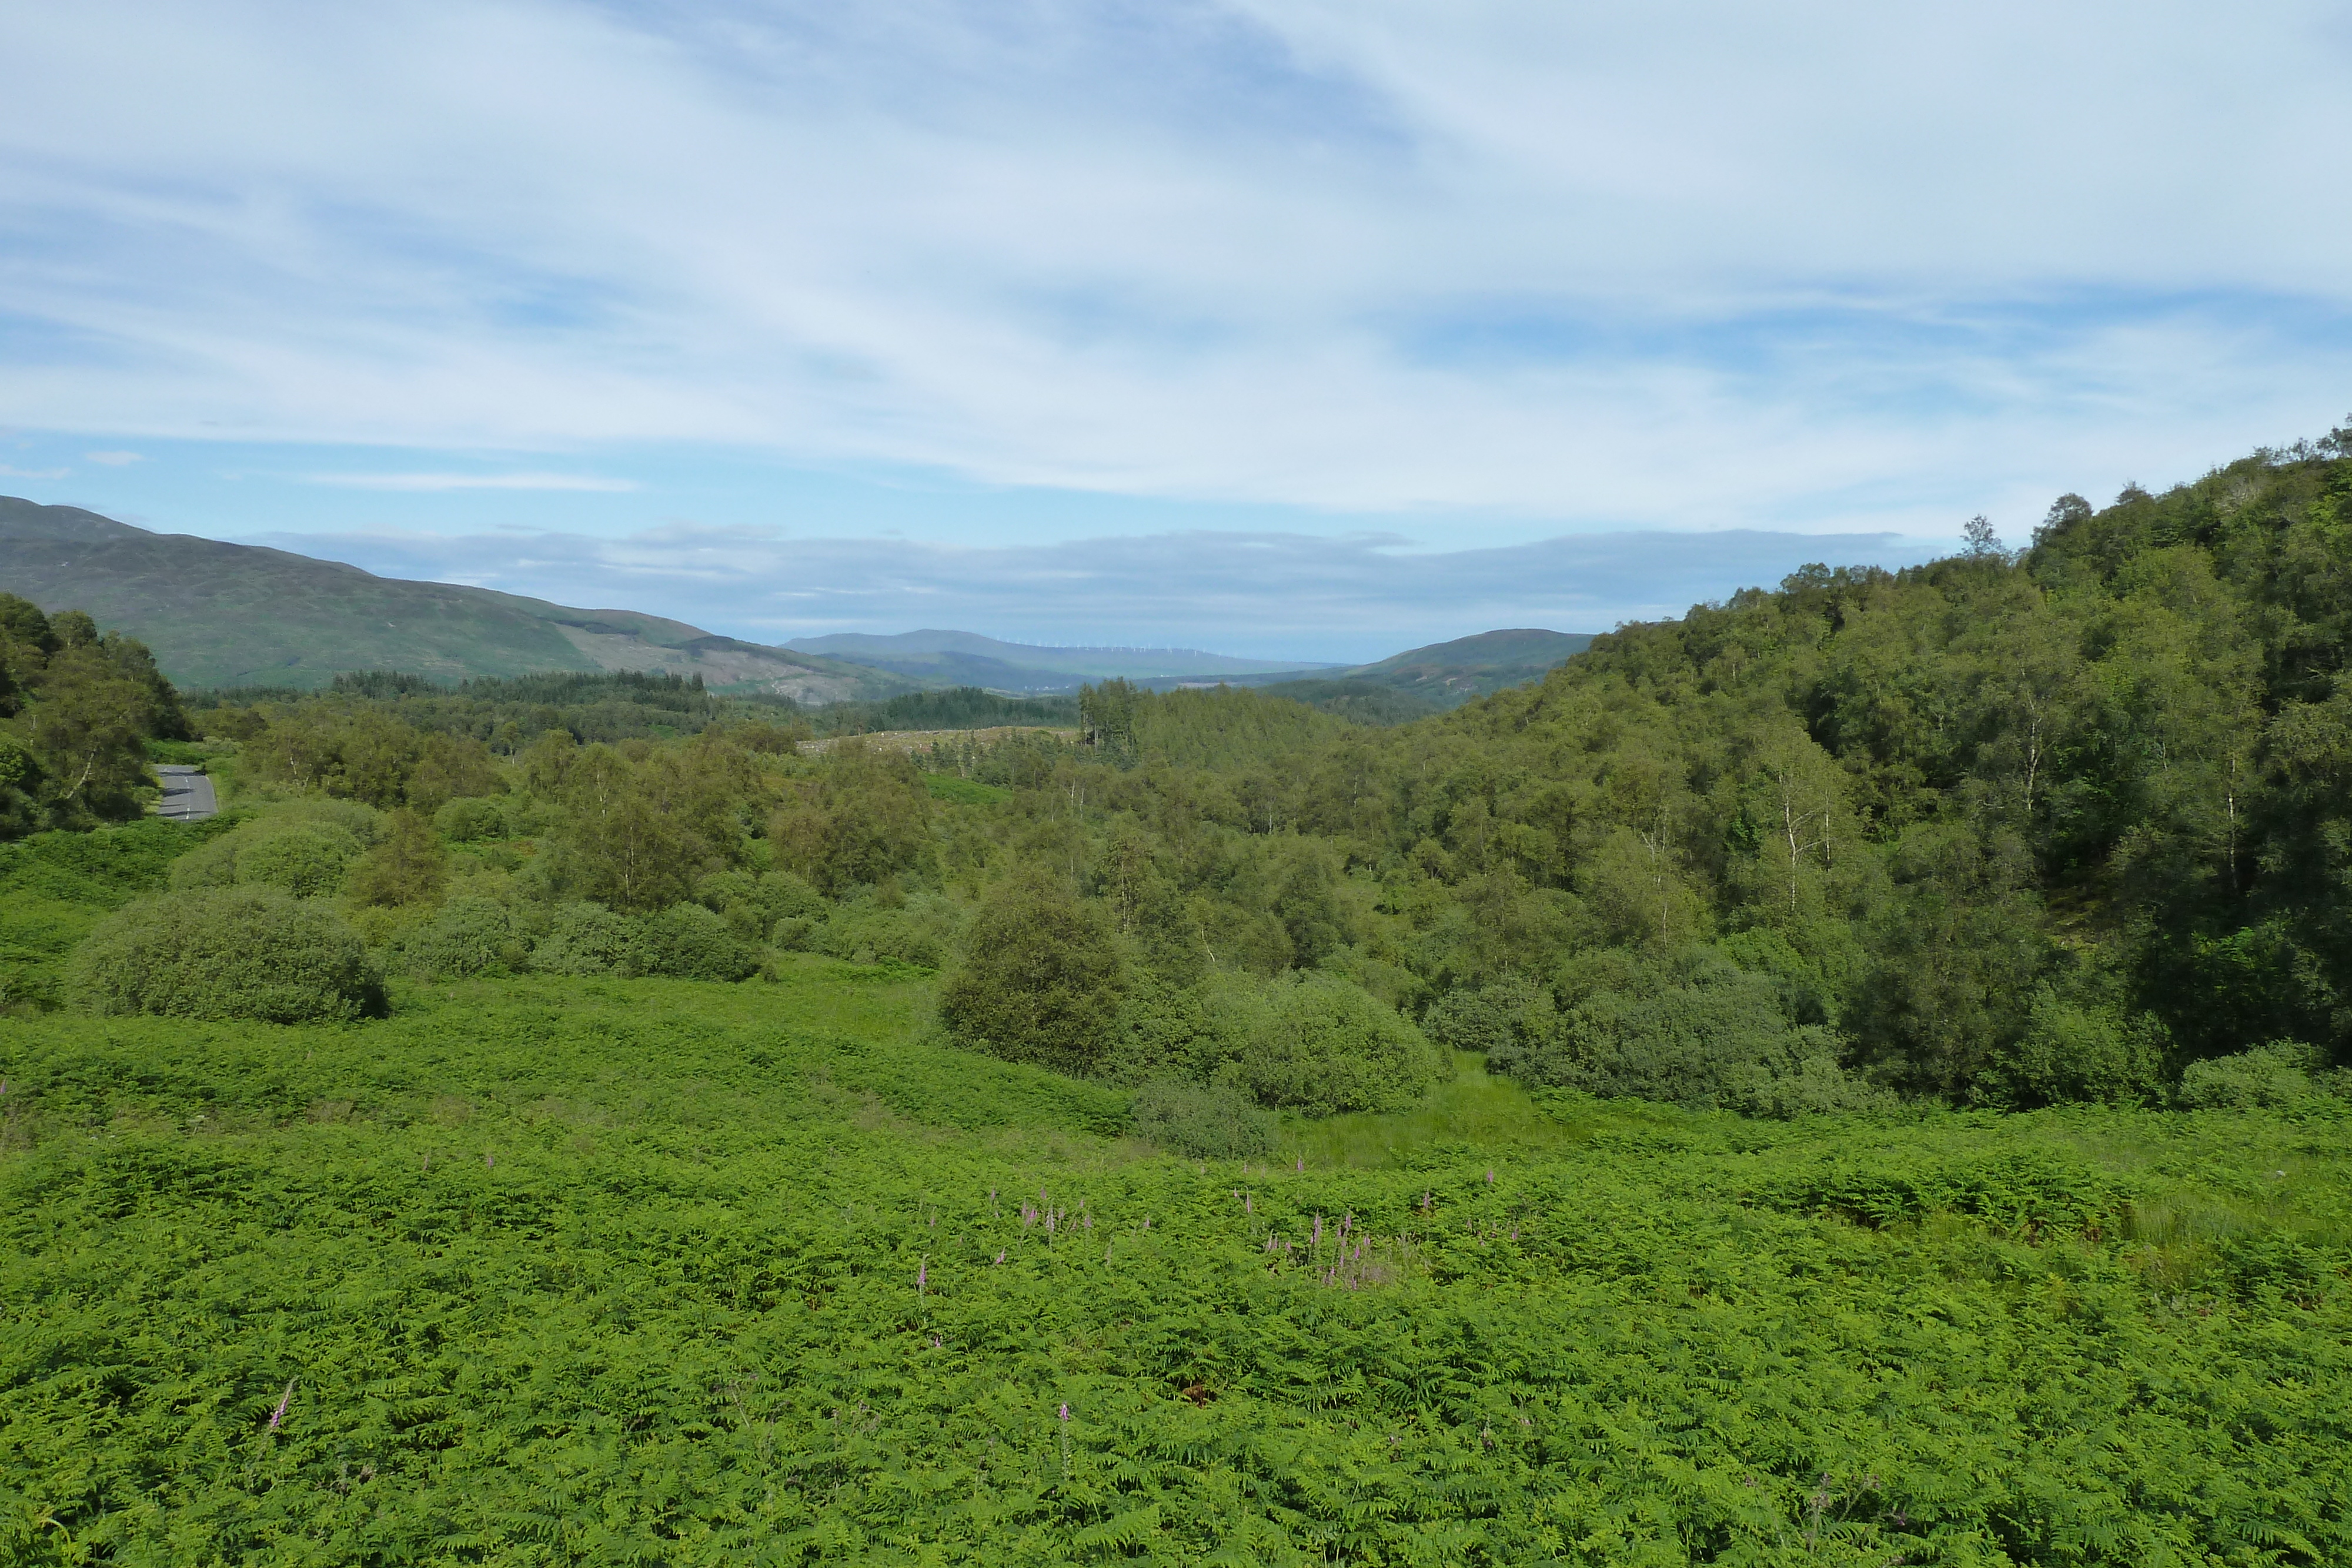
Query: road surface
[187, 795]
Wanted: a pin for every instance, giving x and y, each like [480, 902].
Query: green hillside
[1450, 674]
[221, 614]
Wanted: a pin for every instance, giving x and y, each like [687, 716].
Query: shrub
[864, 816]
[1163, 1031]
[923, 931]
[689, 943]
[226, 953]
[469, 818]
[1039, 981]
[1702, 1033]
[305, 847]
[2275, 1074]
[408, 867]
[590, 939]
[1505, 1020]
[2071, 1052]
[467, 937]
[1315, 1044]
[754, 903]
[1213, 1121]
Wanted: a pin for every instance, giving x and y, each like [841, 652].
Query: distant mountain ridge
[967, 658]
[220, 615]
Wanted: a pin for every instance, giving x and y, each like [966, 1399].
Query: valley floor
[541, 1272]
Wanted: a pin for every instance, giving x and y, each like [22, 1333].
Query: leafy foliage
[468, 935]
[1213, 1121]
[55, 886]
[1039, 980]
[659, 1270]
[689, 942]
[306, 848]
[585, 938]
[76, 712]
[1315, 1044]
[226, 953]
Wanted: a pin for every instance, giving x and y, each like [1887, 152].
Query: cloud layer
[1279, 595]
[1829, 267]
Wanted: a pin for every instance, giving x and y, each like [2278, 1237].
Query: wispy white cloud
[9, 472]
[1841, 266]
[430, 481]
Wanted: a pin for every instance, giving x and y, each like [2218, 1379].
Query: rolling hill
[222, 614]
[1442, 675]
[1450, 674]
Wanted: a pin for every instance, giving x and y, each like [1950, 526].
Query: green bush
[1163, 1031]
[1314, 1043]
[1504, 1021]
[2074, 1053]
[1206, 1121]
[923, 931]
[1039, 980]
[469, 818]
[406, 867]
[754, 902]
[467, 936]
[226, 953]
[1699, 1033]
[689, 943]
[305, 847]
[590, 939]
[2279, 1073]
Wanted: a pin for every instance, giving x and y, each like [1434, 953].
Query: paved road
[187, 795]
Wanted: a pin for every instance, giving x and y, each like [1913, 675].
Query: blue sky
[787, 317]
